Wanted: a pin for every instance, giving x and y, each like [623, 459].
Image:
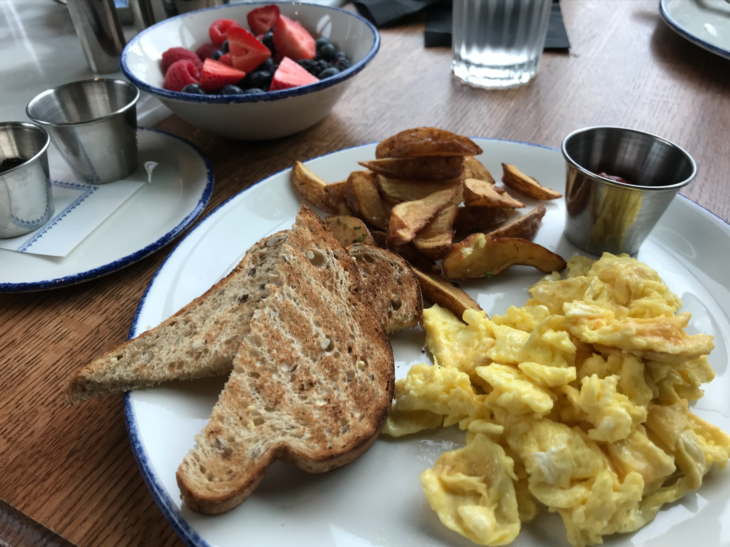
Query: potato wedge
[310, 187]
[438, 290]
[481, 256]
[477, 170]
[407, 252]
[420, 169]
[335, 197]
[524, 227]
[395, 191]
[349, 230]
[434, 240]
[361, 193]
[525, 185]
[470, 220]
[407, 218]
[426, 141]
[478, 193]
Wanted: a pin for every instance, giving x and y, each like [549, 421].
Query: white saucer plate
[378, 500]
[702, 22]
[152, 217]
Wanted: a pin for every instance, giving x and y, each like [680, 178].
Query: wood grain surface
[72, 469]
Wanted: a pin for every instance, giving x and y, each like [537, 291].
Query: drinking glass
[498, 43]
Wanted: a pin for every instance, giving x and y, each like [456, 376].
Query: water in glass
[498, 43]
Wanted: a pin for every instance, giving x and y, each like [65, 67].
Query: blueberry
[268, 65]
[319, 67]
[260, 78]
[341, 61]
[268, 41]
[217, 55]
[230, 90]
[195, 89]
[224, 47]
[328, 52]
[307, 64]
[254, 91]
[328, 73]
[321, 42]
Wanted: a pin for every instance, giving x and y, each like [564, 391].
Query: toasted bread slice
[311, 385]
[199, 340]
[389, 286]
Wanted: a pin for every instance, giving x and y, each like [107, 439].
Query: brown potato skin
[426, 141]
[349, 230]
[361, 193]
[476, 170]
[526, 185]
[310, 187]
[478, 193]
[419, 169]
[409, 217]
[524, 227]
[470, 220]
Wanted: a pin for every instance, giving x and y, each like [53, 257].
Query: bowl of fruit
[252, 71]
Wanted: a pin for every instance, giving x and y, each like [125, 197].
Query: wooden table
[71, 468]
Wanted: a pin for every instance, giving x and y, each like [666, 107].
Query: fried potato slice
[407, 252]
[526, 185]
[310, 187]
[478, 193]
[407, 218]
[335, 197]
[361, 193]
[426, 141]
[471, 220]
[524, 227]
[420, 169]
[439, 291]
[434, 240]
[479, 256]
[475, 170]
[395, 191]
[349, 230]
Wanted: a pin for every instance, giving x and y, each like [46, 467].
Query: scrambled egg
[576, 403]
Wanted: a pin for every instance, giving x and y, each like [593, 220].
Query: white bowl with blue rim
[251, 117]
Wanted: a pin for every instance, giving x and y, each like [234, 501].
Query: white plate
[377, 500]
[155, 215]
[702, 22]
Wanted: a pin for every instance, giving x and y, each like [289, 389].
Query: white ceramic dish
[157, 213]
[378, 500]
[702, 22]
[251, 117]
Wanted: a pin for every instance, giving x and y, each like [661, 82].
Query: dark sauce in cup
[9, 163]
[613, 177]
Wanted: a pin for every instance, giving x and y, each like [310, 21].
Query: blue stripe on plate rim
[163, 501]
[268, 96]
[671, 23]
[137, 255]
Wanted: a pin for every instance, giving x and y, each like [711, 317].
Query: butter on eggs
[576, 403]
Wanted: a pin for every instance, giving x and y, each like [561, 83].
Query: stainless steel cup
[604, 215]
[100, 33]
[25, 190]
[93, 123]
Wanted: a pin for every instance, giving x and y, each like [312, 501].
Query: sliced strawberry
[219, 29]
[247, 52]
[262, 19]
[216, 75]
[290, 74]
[179, 74]
[205, 51]
[226, 59]
[292, 39]
[175, 54]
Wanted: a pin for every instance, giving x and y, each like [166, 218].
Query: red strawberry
[290, 74]
[292, 39]
[226, 59]
[205, 51]
[246, 51]
[262, 19]
[175, 54]
[180, 74]
[219, 29]
[216, 75]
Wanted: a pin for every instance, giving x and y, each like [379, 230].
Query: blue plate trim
[671, 23]
[138, 255]
[263, 97]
